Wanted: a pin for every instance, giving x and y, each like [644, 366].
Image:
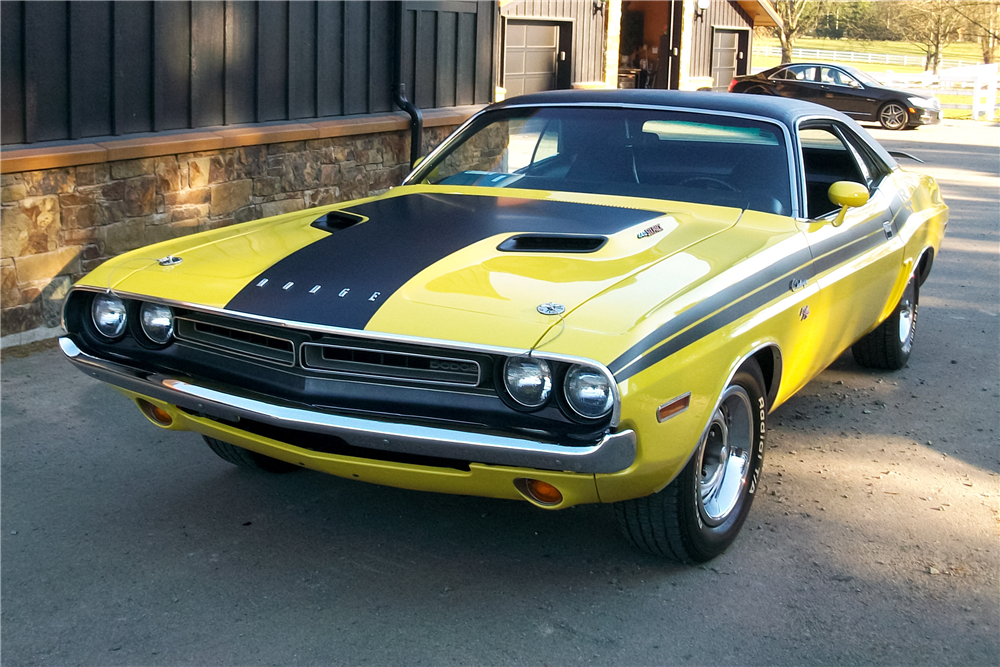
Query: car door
[843, 92]
[856, 263]
[800, 82]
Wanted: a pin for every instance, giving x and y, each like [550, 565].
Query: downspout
[399, 91]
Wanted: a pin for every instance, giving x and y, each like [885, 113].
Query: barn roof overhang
[761, 12]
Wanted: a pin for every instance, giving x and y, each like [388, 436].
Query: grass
[960, 50]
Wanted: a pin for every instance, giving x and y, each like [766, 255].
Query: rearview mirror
[846, 194]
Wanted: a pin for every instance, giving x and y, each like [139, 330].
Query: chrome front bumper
[613, 453]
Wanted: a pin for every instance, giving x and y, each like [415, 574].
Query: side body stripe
[760, 289]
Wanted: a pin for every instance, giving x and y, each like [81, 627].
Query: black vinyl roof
[781, 109]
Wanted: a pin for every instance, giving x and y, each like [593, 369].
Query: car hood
[902, 92]
[463, 264]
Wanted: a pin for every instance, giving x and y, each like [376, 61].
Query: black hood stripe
[357, 269]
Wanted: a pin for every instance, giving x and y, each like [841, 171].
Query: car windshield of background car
[682, 156]
[863, 77]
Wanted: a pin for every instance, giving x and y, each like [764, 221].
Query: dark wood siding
[722, 15]
[75, 70]
[90, 68]
[12, 81]
[46, 77]
[588, 31]
[132, 58]
[208, 63]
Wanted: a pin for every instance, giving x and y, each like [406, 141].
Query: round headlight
[528, 380]
[108, 314]
[157, 322]
[588, 392]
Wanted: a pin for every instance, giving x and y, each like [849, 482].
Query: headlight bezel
[560, 365]
[142, 332]
[514, 401]
[573, 408]
[122, 327]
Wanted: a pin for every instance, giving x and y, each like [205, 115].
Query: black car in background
[846, 89]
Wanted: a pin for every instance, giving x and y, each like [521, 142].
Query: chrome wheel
[893, 116]
[725, 456]
[907, 309]
[699, 514]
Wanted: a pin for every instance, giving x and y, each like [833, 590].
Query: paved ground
[875, 540]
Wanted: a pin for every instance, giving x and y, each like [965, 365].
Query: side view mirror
[416, 163]
[846, 194]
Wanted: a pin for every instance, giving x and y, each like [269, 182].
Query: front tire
[888, 347]
[893, 116]
[244, 458]
[698, 515]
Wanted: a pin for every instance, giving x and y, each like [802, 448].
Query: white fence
[977, 81]
[853, 57]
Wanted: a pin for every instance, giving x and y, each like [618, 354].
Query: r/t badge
[803, 313]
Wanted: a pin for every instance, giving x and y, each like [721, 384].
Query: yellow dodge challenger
[579, 297]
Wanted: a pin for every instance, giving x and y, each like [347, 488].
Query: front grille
[239, 341]
[331, 355]
[365, 361]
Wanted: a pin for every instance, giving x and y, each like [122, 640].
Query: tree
[933, 23]
[983, 18]
[798, 17]
[869, 20]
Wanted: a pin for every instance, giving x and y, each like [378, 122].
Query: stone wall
[58, 224]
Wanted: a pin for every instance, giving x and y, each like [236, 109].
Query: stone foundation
[58, 224]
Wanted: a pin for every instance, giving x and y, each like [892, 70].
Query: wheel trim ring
[724, 459]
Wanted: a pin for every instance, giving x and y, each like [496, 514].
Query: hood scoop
[553, 243]
[335, 221]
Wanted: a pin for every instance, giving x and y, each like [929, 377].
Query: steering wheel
[719, 183]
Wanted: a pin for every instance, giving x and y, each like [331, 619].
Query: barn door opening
[730, 48]
[536, 56]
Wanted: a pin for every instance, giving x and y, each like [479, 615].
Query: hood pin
[550, 308]
[169, 260]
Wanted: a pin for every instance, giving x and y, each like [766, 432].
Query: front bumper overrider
[614, 452]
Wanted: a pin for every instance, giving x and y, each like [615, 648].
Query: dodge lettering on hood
[579, 297]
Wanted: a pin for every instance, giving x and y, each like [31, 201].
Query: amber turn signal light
[156, 414]
[674, 407]
[541, 492]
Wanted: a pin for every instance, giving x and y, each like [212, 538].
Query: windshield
[680, 156]
[863, 77]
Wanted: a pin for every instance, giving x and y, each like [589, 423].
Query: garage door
[531, 57]
[729, 55]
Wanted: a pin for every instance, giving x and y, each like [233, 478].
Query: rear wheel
[244, 458]
[698, 515]
[893, 116]
[889, 346]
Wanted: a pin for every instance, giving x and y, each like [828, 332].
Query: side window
[837, 77]
[826, 159]
[802, 73]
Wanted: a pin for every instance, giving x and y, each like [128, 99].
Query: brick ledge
[232, 136]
